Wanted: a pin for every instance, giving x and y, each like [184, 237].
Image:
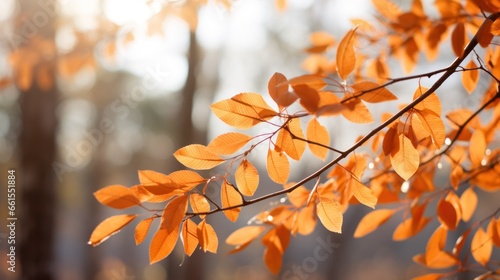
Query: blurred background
[92, 91]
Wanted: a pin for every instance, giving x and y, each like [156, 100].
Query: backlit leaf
[273, 259]
[109, 227]
[372, 95]
[278, 90]
[477, 147]
[189, 236]
[409, 228]
[291, 139]
[458, 39]
[186, 179]
[346, 58]
[277, 166]
[430, 276]
[243, 110]
[431, 102]
[247, 178]
[363, 194]
[197, 156]
[117, 196]
[356, 112]
[230, 197]
[447, 214]
[372, 221]
[244, 235]
[481, 247]
[405, 159]
[228, 143]
[319, 134]
[199, 204]
[306, 219]
[434, 126]
[141, 230]
[470, 77]
[309, 97]
[330, 215]
[207, 237]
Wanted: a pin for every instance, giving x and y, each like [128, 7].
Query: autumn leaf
[207, 237]
[197, 156]
[199, 204]
[372, 221]
[431, 102]
[228, 143]
[141, 230]
[346, 58]
[405, 159]
[363, 194]
[247, 178]
[447, 214]
[356, 112]
[244, 235]
[458, 39]
[230, 197]
[186, 179]
[470, 77]
[309, 97]
[189, 236]
[481, 247]
[291, 139]
[316, 133]
[278, 90]
[306, 219]
[243, 111]
[277, 166]
[372, 92]
[109, 227]
[477, 147]
[117, 196]
[330, 215]
[434, 125]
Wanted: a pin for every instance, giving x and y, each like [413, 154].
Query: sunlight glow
[127, 11]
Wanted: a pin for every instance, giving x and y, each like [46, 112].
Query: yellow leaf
[278, 90]
[141, 230]
[230, 197]
[207, 237]
[244, 110]
[277, 166]
[372, 221]
[247, 178]
[367, 92]
[481, 247]
[109, 227]
[228, 143]
[363, 194]
[189, 236]
[244, 235]
[117, 196]
[330, 215]
[318, 134]
[197, 156]
[199, 204]
[346, 58]
[477, 147]
[288, 139]
[405, 159]
[470, 77]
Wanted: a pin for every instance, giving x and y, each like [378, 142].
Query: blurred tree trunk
[38, 149]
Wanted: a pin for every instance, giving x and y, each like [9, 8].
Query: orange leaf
[309, 97]
[166, 237]
[481, 247]
[458, 39]
[197, 156]
[288, 139]
[228, 143]
[372, 95]
[311, 80]
[277, 166]
[434, 125]
[117, 196]
[321, 41]
[405, 159]
[187, 179]
[493, 230]
[330, 215]
[230, 197]
[273, 259]
[477, 147]
[468, 203]
[346, 58]
[470, 77]
[244, 235]
[447, 214]
[278, 90]
[436, 244]
[484, 35]
[141, 230]
[243, 111]
[356, 112]
[495, 27]
[430, 276]
[158, 184]
[247, 178]
[207, 237]
[409, 228]
[306, 220]
[363, 194]
[431, 102]
[109, 227]
[319, 134]
[372, 221]
[189, 236]
[199, 204]
[387, 9]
